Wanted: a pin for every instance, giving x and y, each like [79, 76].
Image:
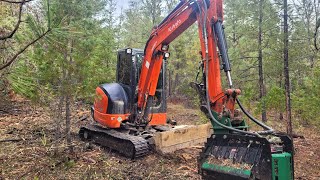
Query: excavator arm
[209, 15]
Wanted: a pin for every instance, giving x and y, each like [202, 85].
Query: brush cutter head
[235, 156]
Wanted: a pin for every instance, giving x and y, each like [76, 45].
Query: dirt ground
[27, 150]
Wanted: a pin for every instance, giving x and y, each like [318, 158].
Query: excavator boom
[181, 18]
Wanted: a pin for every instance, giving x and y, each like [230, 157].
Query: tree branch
[16, 2]
[8, 63]
[316, 34]
[16, 26]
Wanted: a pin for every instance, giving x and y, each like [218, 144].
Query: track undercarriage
[128, 141]
[129, 145]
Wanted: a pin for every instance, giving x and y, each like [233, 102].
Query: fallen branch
[187, 168]
[4, 111]
[16, 139]
[297, 136]
[90, 160]
[11, 140]
[85, 117]
[294, 135]
[197, 147]
[8, 63]
[16, 2]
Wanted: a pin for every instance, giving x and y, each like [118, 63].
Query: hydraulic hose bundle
[223, 50]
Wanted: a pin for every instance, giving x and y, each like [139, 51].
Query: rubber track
[129, 145]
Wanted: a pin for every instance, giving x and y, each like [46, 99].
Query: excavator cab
[128, 72]
[115, 103]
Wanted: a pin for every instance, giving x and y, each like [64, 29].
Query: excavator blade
[238, 157]
[180, 137]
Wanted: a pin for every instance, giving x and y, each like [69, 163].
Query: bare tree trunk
[286, 68]
[62, 91]
[68, 93]
[169, 83]
[234, 28]
[234, 40]
[154, 14]
[307, 6]
[60, 107]
[176, 82]
[260, 58]
[68, 123]
[280, 109]
[58, 118]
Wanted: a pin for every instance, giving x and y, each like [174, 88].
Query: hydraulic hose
[206, 73]
[269, 129]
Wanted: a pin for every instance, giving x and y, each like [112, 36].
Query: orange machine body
[114, 103]
[115, 120]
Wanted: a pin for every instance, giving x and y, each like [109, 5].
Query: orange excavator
[129, 112]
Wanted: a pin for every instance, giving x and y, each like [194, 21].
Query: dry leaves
[30, 157]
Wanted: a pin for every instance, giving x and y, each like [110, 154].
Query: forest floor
[27, 149]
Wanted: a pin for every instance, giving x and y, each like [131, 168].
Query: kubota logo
[175, 25]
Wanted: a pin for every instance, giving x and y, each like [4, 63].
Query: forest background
[53, 54]
[56, 52]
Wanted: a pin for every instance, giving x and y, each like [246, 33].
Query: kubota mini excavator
[132, 109]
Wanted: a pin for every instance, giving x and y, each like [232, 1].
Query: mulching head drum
[235, 156]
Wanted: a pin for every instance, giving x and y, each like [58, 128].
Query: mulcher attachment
[235, 156]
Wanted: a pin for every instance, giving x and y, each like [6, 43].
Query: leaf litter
[33, 154]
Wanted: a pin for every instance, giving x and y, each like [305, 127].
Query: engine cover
[111, 105]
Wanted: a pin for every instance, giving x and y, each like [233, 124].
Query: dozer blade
[235, 156]
[180, 137]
